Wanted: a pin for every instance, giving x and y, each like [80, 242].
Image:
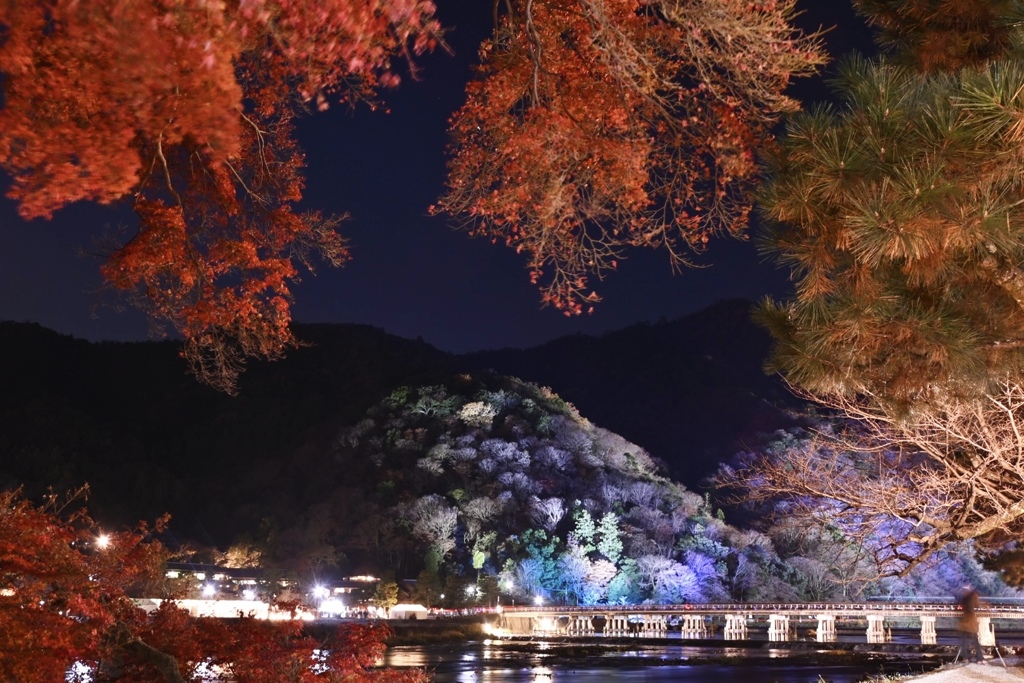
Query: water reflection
[543, 662]
[670, 674]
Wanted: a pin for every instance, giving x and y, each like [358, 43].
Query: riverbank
[435, 631]
[992, 671]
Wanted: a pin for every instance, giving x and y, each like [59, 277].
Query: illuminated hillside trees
[539, 502]
[904, 487]
[598, 125]
[66, 614]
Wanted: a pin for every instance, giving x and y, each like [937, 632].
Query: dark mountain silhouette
[691, 391]
[127, 419]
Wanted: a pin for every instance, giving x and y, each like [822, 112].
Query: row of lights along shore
[321, 593]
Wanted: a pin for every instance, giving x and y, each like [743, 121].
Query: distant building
[212, 590]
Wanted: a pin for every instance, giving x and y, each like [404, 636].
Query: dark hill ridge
[691, 391]
[128, 419]
[149, 439]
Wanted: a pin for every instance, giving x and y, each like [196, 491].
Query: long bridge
[736, 621]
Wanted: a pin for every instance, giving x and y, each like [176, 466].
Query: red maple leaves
[599, 125]
[594, 126]
[64, 601]
[184, 107]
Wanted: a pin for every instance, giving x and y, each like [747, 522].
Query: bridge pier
[876, 628]
[581, 626]
[928, 636]
[617, 625]
[826, 628]
[656, 625]
[986, 632]
[778, 627]
[637, 624]
[693, 625]
[735, 627]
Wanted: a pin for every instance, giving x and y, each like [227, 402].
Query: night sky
[411, 274]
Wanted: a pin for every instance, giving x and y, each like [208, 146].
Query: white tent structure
[408, 611]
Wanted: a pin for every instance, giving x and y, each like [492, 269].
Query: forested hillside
[362, 451]
[127, 419]
[488, 486]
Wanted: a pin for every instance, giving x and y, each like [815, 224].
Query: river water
[545, 662]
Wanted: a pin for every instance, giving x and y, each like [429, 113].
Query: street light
[103, 541]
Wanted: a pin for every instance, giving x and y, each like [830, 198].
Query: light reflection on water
[657, 674]
[494, 661]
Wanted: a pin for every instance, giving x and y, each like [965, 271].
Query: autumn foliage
[184, 108]
[594, 126]
[64, 602]
[945, 35]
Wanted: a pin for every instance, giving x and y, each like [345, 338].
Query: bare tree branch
[906, 485]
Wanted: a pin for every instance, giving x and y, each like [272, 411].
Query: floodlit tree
[904, 487]
[574, 568]
[609, 542]
[669, 581]
[899, 212]
[946, 35]
[385, 595]
[184, 110]
[66, 614]
[547, 512]
[643, 116]
[435, 522]
[597, 125]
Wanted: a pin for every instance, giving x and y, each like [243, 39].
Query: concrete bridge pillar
[735, 627]
[656, 625]
[986, 632]
[826, 628]
[876, 628]
[928, 630]
[778, 627]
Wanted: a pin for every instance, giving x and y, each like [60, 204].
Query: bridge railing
[1001, 607]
